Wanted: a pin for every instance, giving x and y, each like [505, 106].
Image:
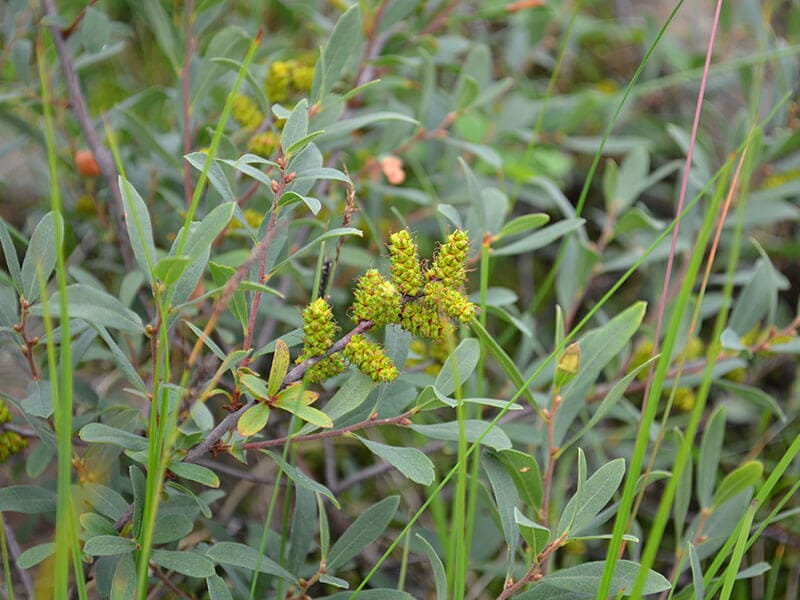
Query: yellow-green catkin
[246, 112]
[264, 144]
[302, 77]
[10, 441]
[420, 318]
[326, 368]
[376, 299]
[685, 399]
[319, 329]
[370, 359]
[406, 268]
[451, 301]
[448, 264]
[278, 80]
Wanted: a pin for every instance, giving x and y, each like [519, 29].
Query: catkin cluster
[10, 441]
[319, 330]
[423, 301]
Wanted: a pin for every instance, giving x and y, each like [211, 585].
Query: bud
[568, 365]
[86, 164]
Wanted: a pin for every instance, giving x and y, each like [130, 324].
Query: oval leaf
[364, 530]
[280, 366]
[191, 564]
[409, 461]
[737, 481]
[241, 555]
[108, 545]
[253, 420]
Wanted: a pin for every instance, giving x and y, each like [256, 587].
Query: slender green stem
[67, 542]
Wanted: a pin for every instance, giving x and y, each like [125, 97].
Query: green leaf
[140, 230]
[245, 557]
[596, 493]
[458, 366]
[99, 433]
[39, 401]
[522, 224]
[535, 535]
[123, 585]
[346, 126]
[409, 461]
[495, 438]
[164, 30]
[27, 499]
[309, 414]
[253, 420]
[758, 298]
[502, 358]
[364, 530]
[331, 233]
[752, 395]
[290, 197]
[279, 368]
[350, 395]
[218, 588]
[106, 501]
[540, 239]
[507, 499]
[108, 545]
[41, 255]
[439, 574]
[191, 564]
[341, 45]
[683, 492]
[322, 173]
[94, 30]
[255, 385]
[296, 126]
[708, 457]
[12, 260]
[302, 528]
[301, 479]
[697, 572]
[95, 307]
[374, 594]
[95, 524]
[612, 397]
[170, 268]
[171, 527]
[524, 470]
[737, 481]
[216, 176]
[193, 472]
[585, 578]
[598, 348]
[35, 554]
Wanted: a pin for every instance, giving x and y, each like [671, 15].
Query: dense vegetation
[395, 299]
